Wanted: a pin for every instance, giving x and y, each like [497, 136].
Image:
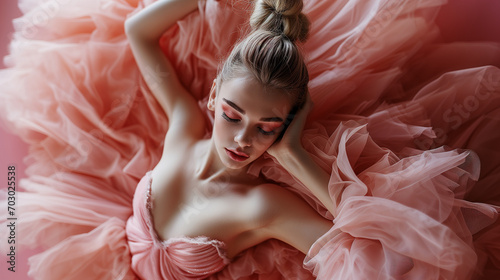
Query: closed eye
[272, 132]
[229, 119]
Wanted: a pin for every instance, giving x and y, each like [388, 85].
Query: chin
[233, 164]
[229, 163]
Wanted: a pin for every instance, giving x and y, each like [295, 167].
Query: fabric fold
[405, 122]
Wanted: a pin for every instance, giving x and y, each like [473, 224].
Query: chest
[183, 206]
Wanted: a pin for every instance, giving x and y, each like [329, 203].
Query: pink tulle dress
[406, 122]
[175, 258]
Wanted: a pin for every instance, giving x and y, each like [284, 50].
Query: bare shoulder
[272, 202]
[275, 195]
[287, 217]
[179, 142]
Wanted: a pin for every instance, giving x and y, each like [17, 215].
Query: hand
[290, 142]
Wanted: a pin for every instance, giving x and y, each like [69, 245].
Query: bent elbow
[137, 30]
[130, 27]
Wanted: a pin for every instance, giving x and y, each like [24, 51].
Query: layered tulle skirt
[406, 123]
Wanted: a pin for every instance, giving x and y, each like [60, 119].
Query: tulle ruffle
[388, 95]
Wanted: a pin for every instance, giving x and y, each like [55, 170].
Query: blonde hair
[269, 53]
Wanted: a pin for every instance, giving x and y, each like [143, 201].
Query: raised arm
[144, 30]
[297, 161]
[300, 164]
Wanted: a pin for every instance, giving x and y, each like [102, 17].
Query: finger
[306, 109]
[309, 103]
[300, 118]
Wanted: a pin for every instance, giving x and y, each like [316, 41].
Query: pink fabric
[175, 258]
[388, 94]
[399, 217]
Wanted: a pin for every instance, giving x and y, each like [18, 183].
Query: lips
[236, 155]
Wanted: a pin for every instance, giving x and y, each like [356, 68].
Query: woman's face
[248, 119]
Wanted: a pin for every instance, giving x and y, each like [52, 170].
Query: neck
[210, 167]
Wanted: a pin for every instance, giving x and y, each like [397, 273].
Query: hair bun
[282, 17]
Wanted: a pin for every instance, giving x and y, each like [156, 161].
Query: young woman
[263, 84]
[241, 179]
[263, 81]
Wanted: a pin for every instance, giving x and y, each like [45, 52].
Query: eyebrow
[237, 108]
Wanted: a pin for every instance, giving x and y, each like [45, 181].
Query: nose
[243, 138]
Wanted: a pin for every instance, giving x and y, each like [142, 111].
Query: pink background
[12, 149]
[455, 20]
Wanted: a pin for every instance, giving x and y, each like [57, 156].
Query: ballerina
[360, 187]
[262, 83]
[261, 87]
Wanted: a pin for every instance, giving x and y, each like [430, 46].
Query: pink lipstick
[236, 156]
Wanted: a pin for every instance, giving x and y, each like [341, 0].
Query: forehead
[254, 98]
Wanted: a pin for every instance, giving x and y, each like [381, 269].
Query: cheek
[263, 142]
[224, 135]
[221, 129]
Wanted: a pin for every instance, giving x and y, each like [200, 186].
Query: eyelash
[237, 120]
[229, 119]
[266, 132]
